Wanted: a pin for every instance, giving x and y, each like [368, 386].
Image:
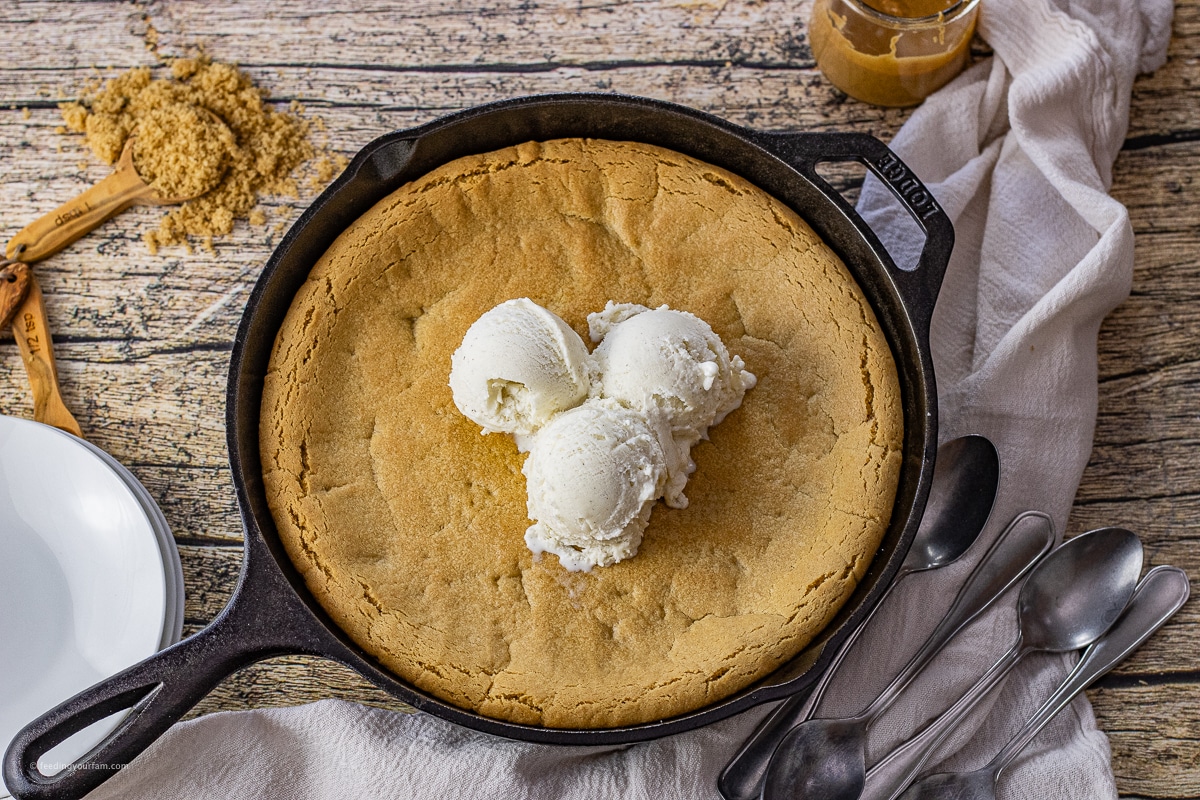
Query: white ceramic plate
[89, 577]
[172, 569]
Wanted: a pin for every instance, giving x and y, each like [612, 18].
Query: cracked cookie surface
[408, 524]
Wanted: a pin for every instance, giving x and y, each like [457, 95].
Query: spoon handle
[960, 500]
[1160, 594]
[52, 232]
[33, 340]
[1022, 544]
[891, 776]
[743, 775]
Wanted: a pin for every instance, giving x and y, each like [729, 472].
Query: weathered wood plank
[81, 34]
[209, 575]
[430, 34]
[179, 300]
[471, 33]
[1156, 753]
[1166, 101]
[290, 681]
[750, 62]
[436, 36]
[1157, 187]
[351, 100]
[161, 410]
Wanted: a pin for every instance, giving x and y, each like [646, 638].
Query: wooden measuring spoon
[14, 285]
[62, 226]
[33, 339]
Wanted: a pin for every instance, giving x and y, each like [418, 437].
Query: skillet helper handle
[157, 692]
[919, 287]
[52, 232]
[33, 340]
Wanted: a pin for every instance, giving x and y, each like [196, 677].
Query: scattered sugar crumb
[327, 167]
[151, 35]
[75, 115]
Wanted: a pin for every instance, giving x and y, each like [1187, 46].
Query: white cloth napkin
[1019, 150]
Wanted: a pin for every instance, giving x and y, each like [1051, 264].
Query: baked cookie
[408, 524]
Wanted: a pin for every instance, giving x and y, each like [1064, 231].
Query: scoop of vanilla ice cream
[667, 360]
[518, 365]
[592, 475]
[672, 364]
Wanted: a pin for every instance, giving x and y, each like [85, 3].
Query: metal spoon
[1069, 601]
[965, 477]
[826, 758]
[1160, 594]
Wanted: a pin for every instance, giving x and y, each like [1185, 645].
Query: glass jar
[891, 52]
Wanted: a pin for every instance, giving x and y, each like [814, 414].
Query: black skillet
[272, 613]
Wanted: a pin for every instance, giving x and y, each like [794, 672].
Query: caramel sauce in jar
[891, 52]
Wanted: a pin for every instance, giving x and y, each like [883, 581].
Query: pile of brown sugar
[182, 151]
[205, 125]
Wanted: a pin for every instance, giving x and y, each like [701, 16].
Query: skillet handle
[157, 692]
[804, 151]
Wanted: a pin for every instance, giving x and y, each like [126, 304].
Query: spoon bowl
[823, 758]
[150, 195]
[965, 478]
[1058, 612]
[1069, 600]
[1160, 594]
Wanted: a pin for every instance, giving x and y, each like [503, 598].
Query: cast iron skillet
[272, 613]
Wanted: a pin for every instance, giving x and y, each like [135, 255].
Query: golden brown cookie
[408, 524]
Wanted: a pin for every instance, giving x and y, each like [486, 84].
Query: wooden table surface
[143, 341]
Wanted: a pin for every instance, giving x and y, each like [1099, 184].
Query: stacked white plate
[90, 581]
